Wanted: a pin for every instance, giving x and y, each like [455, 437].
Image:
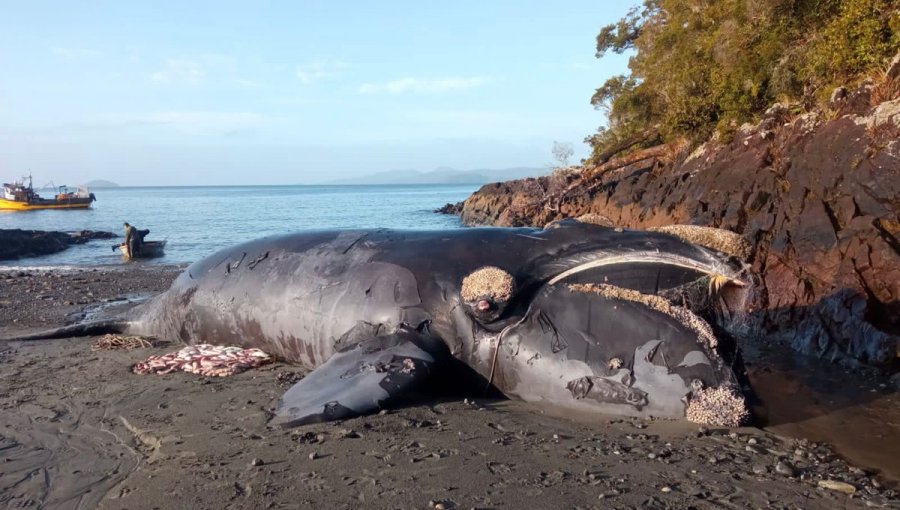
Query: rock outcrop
[454, 209]
[817, 196]
[18, 244]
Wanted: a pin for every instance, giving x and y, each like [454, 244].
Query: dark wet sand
[78, 430]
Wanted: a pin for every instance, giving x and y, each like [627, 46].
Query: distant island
[100, 183]
[444, 175]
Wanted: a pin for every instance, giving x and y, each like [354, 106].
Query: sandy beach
[79, 430]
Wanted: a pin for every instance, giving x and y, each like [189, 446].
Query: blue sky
[157, 93]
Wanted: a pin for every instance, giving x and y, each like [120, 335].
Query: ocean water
[197, 221]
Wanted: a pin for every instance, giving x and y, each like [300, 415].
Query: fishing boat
[19, 196]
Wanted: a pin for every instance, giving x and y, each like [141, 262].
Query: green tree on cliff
[701, 66]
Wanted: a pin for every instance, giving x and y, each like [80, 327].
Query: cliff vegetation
[702, 68]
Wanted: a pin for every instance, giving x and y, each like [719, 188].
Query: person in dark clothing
[133, 240]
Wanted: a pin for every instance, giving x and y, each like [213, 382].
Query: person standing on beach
[132, 240]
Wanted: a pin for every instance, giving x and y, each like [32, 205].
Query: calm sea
[197, 221]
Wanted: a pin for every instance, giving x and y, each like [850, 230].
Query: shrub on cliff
[705, 66]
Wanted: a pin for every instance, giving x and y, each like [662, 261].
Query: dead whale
[575, 316]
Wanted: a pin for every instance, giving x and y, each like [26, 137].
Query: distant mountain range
[444, 175]
[99, 183]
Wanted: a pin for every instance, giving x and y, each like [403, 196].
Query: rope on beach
[113, 342]
[204, 359]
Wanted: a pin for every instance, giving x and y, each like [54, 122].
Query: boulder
[455, 209]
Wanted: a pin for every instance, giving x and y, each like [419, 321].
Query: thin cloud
[423, 85]
[217, 59]
[459, 117]
[311, 73]
[200, 122]
[250, 84]
[188, 122]
[449, 122]
[179, 70]
[74, 53]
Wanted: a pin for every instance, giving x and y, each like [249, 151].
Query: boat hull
[11, 205]
[150, 249]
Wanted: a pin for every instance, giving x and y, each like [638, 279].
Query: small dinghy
[149, 250]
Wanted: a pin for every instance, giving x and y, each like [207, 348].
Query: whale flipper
[357, 380]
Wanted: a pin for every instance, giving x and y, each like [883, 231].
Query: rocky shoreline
[19, 244]
[814, 194]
